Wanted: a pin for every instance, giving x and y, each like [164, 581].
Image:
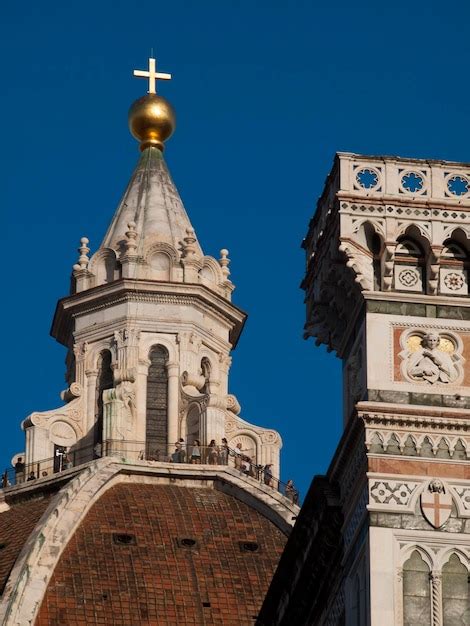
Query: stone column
[141, 395]
[173, 402]
[91, 376]
[436, 598]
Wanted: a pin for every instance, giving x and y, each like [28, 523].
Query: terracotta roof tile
[16, 526]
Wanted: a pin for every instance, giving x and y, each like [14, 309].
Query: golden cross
[152, 75]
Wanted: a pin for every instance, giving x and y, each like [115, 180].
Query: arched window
[104, 380]
[409, 265]
[370, 240]
[416, 592]
[454, 269]
[455, 593]
[156, 431]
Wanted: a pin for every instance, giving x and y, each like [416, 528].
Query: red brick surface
[16, 526]
[156, 582]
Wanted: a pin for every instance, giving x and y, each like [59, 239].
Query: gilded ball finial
[151, 118]
[151, 121]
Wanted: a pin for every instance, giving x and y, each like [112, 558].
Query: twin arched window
[420, 593]
[412, 259]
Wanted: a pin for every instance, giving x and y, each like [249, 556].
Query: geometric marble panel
[453, 282]
[408, 278]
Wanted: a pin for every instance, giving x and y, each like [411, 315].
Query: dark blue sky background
[265, 93]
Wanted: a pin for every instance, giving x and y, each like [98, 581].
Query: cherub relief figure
[431, 364]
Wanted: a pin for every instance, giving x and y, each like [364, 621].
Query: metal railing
[180, 452]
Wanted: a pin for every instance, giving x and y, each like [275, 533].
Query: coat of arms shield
[436, 503]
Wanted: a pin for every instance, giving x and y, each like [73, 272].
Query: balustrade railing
[180, 452]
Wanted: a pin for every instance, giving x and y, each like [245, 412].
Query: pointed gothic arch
[416, 591]
[411, 257]
[455, 592]
[156, 425]
[455, 265]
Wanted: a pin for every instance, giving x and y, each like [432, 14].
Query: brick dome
[166, 555]
[16, 525]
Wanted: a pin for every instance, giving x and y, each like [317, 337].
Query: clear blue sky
[265, 94]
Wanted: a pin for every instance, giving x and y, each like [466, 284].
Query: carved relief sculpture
[431, 358]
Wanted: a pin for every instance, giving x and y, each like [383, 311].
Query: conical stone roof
[152, 201]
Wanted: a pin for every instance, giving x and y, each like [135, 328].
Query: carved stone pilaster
[80, 351]
[127, 350]
[225, 362]
[119, 417]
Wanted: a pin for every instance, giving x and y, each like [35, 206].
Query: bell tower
[149, 327]
[387, 289]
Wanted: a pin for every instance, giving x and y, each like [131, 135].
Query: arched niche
[454, 265]
[249, 446]
[105, 267]
[210, 273]
[160, 266]
[411, 254]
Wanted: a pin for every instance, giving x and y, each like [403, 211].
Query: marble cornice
[417, 298]
[139, 290]
[422, 202]
[376, 410]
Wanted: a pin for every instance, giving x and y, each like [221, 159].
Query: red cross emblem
[436, 504]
